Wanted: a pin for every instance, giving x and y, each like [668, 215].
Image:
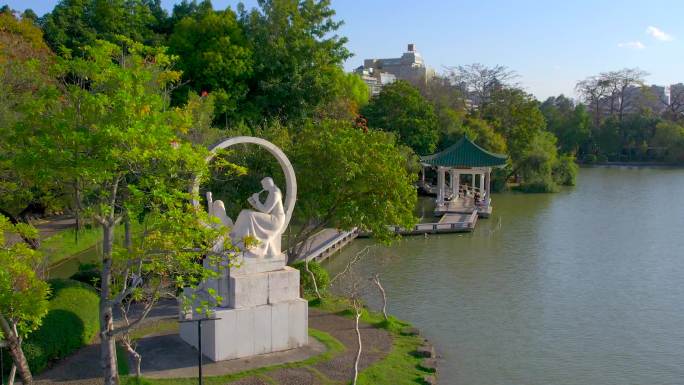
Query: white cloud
[632, 45]
[659, 33]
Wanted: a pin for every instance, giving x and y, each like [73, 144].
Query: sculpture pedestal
[261, 313]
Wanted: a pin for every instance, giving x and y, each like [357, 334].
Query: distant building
[375, 80]
[651, 97]
[410, 67]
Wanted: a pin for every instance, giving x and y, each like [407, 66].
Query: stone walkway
[166, 356]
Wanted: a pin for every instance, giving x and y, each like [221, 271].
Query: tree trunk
[376, 281]
[313, 278]
[17, 354]
[128, 236]
[107, 340]
[12, 375]
[358, 336]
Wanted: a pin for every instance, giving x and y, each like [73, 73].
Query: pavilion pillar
[422, 175]
[455, 176]
[472, 182]
[488, 184]
[441, 174]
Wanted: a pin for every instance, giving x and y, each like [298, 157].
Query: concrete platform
[168, 356]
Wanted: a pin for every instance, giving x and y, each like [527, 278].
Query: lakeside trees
[618, 119]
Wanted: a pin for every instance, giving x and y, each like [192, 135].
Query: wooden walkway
[463, 205]
[448, 223]
[327, 242]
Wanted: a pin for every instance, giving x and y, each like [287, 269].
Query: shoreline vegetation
[633, 164]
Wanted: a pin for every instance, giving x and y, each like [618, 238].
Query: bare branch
[352, 261]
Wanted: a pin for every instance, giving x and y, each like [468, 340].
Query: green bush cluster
[590, 158]
[321, 275]
[71, 322]
[88, 273]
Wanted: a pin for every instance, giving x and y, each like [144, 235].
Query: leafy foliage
[296, 55]
[71, 322]
[320, 275]
[27, 89]
[400, 108]
[74, 25]
[351, 178]
[214, 57]
[23, 295]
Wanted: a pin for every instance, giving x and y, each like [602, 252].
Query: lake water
[581, 287]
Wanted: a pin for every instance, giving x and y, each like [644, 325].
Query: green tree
[400, 108]
[296, 54]
[537, 162]
[570, 123]
[670, 137]
[214, 57]
[27, 89]
[351, 94]
[350, 178]
[516, 116]
[23, 296]
[75, 24]
[120, 141]
[485, 135]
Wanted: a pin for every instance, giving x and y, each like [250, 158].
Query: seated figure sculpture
[264, 225]
[258, 306]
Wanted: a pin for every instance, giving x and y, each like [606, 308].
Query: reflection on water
[580, 287]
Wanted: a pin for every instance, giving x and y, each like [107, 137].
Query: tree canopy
[400, 108]
[214, 57]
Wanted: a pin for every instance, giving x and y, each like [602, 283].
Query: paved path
[165, 355]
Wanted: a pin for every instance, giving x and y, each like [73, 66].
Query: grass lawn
[399, 367]
[64, 245]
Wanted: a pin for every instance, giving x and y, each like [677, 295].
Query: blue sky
[551, 44]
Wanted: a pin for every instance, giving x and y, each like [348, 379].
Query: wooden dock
[448, 223]
[464, 205]
[328, 242]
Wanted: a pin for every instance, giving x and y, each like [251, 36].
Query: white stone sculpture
[260, 311]
[264, 225]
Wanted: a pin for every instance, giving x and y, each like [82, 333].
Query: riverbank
[632, 164]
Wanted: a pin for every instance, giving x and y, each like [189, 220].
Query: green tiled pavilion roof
[465, 154]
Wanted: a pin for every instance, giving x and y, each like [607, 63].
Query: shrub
[321, 275]
[590, 158]
[565, 171]
[499, 179]
[539, 184]
[71, 322]
[88, 273]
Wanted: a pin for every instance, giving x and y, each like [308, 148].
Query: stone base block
[248, 290]
[262, 288]
[248, 264]
[250, 331]
[283, 285]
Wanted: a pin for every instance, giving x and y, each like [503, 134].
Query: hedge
[322, 278]
[72, 321]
